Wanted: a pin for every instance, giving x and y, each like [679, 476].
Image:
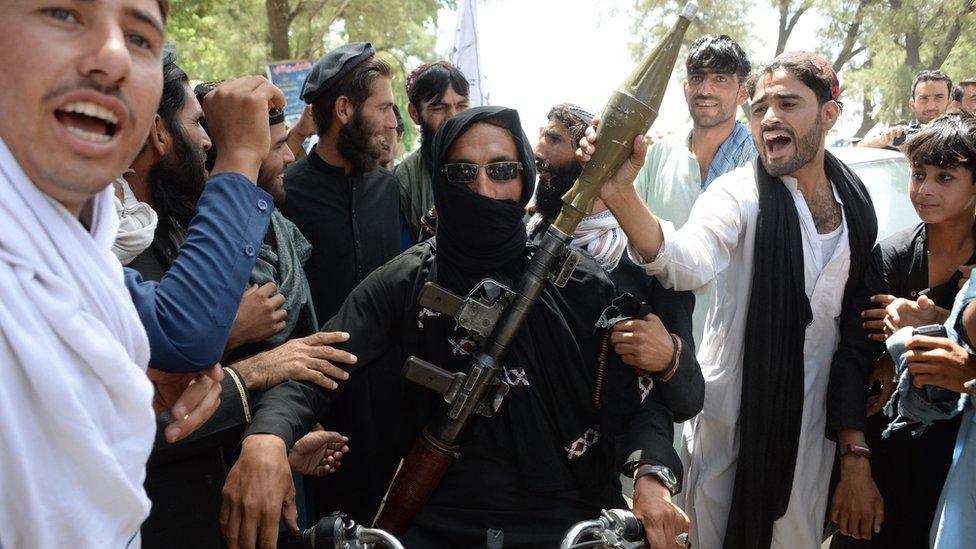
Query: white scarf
[601, 236]
[137, 224]
[75, 404]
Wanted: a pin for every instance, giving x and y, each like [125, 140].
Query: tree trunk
[784, 14]
[848, 49]
[913, 47]
[787, 22]
[278, 24]
[867, 120]
[942, 52]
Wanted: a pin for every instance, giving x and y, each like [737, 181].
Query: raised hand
[623, 178]
[237, 121]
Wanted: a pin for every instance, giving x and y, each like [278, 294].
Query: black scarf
[475, 234]
[556, 350]
[772, 368]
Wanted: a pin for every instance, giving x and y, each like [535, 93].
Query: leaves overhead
[218, 39]
[877, 46]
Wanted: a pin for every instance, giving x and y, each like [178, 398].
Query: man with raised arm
[786, 241]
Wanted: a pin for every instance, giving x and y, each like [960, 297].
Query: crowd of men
[203, 322]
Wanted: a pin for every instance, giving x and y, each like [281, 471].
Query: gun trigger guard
[565, 267]
[490, 405]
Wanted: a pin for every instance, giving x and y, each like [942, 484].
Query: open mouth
[776, 142]
[88, 121]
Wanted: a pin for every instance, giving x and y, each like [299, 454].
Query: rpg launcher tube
[631, 111]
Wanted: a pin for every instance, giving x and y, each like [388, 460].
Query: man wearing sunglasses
[553, 453]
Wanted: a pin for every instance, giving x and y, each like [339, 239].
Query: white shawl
[76, 417]
[137, 224]
[601, 236]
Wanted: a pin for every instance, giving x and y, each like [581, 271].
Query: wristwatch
[664, 474]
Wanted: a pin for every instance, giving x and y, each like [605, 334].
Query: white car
[885, 173]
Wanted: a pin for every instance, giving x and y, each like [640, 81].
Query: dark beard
[806, 145]
[426, 141]
[550, 191]
[356, 146]
[176, 183]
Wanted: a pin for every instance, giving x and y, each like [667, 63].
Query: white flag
[465, 54]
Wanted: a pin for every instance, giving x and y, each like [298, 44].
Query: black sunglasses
[463, 172]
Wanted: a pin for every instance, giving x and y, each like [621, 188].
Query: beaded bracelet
[667, 374]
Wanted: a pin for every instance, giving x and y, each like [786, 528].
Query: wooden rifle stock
[427, 462]
[629, 113]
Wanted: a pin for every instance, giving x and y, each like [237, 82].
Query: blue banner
[289, 77]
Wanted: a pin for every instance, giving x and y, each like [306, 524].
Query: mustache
[780, 128]
[701, 97]
[89, 84]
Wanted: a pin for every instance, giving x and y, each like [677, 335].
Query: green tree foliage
[217, 39]
[653, 18]
[877, 46]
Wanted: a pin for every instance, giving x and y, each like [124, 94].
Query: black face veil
[477, 235]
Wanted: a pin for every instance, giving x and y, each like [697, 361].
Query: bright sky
[532, 62]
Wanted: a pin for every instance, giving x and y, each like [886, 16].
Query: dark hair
[354, 85]
[564, 114]
[949, 141]
[432, 84]
[175, 83]
[399, 119]
[956, 93]
[163, 8]
[718, 53]
[931, 76]
[803, 69]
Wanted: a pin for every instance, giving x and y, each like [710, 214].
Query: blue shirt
[737, 150]
[955, 517]
[188, 314]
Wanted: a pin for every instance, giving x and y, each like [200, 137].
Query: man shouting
[786, 241]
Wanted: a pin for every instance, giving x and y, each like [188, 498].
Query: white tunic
[76, 405]
[718, 243]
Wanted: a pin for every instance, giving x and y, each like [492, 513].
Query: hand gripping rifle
[494, 314]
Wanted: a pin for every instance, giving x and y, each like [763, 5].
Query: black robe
[908, 470]
[352, 222]
[534, 488]
[184, 480]
[684, 394]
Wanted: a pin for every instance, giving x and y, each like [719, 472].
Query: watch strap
[664, 474]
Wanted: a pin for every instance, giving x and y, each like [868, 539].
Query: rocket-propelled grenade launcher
[629, 113]
[494, 314]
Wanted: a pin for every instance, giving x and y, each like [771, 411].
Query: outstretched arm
[189, 313]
